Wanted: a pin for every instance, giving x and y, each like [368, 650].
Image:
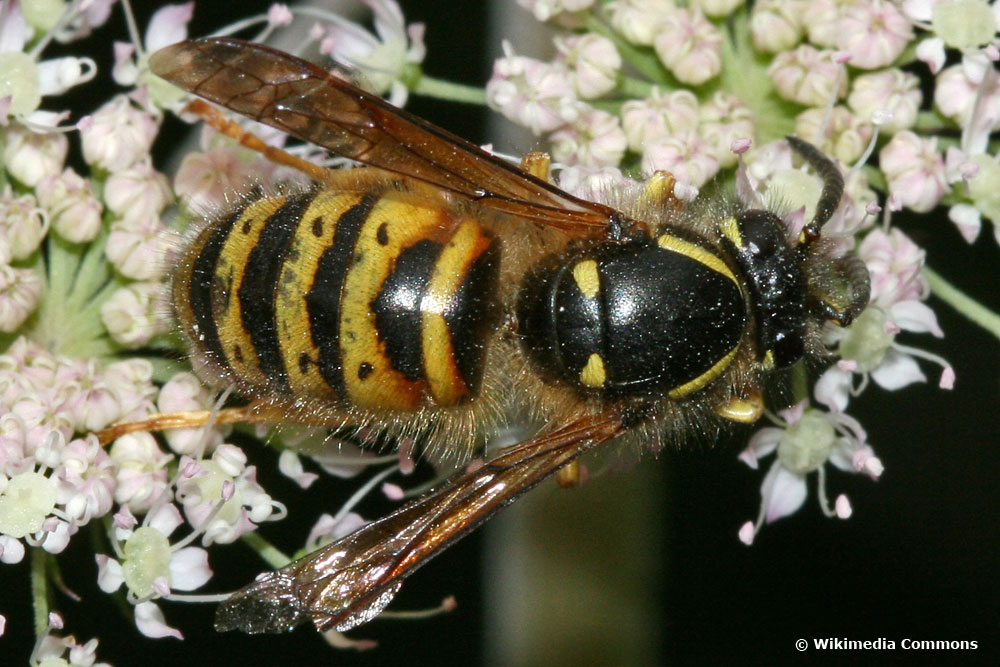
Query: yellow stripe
[731, 231]
[706, 377]
[407, 220]
[697, 253]
[588, 280]
[229, 270]
[294, 283]
[446, 382]
[593, 373]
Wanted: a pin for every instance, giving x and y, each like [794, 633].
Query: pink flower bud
[72, 206]
[776, 25]
[20, 290]
[875, 34]
[595, 139]
[31, 156]
[593, 62]
[807, 76]
[658, 116]
[914, 170]
[844, 137]
[130, 314]
[137, 191]
[725, 120]
[689, 46]
[891, 90]
[531, 93]
[637, 20]
[688, 157]
[117, 135]
[22, 226]
[135, 247]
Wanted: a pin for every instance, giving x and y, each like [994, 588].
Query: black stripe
[257, 291]
[397, 307]
[472, 314]
[206, 333]
[323, 299]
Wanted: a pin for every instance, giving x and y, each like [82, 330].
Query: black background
[917, 559]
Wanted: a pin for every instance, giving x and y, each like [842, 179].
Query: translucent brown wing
[350, 581]
[299, 98]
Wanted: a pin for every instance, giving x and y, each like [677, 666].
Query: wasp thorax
[645, 318]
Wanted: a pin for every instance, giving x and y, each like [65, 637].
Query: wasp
[437, 287]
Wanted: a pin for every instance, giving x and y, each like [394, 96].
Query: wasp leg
[350, 180]
[537, 164]
[250, 414]
[745, 410]
[659, 191]
[570, 476]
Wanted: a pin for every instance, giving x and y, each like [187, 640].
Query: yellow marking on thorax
[588, 280]
[296, 279]
[706, 377]
[593, 373]
[446, 383]
[407, 220]
[731, 231]
[697, 253]
[230, 268]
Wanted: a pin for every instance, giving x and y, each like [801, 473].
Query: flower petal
[150, 621]
[189, 569]
[833, 389]
[897, 370]
[916, 317]
[784, 492]
[168, 25]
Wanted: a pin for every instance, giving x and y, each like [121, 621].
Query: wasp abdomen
[376, 299]
[660, 318]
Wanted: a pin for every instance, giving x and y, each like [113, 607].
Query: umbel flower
[904, 96]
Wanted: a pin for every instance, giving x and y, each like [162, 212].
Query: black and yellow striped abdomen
[374, 299]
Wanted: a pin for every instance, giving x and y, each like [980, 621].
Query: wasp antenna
[833, 184]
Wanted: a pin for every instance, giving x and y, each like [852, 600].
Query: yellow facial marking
[706, 377]
[587, 279]
[593, 374]
[697, 253]
[769, 359]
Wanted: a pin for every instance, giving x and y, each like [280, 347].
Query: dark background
[916, 560]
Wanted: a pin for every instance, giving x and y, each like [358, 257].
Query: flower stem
[270, 553]
[39, 591]
[447, 90]
[642, 59]
[963, 303]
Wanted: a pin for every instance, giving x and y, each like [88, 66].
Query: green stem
[447, 90]
[270, 553]
[963, 303]
[39, 590]
[635, 89]
[800, 382]
[643, 60]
